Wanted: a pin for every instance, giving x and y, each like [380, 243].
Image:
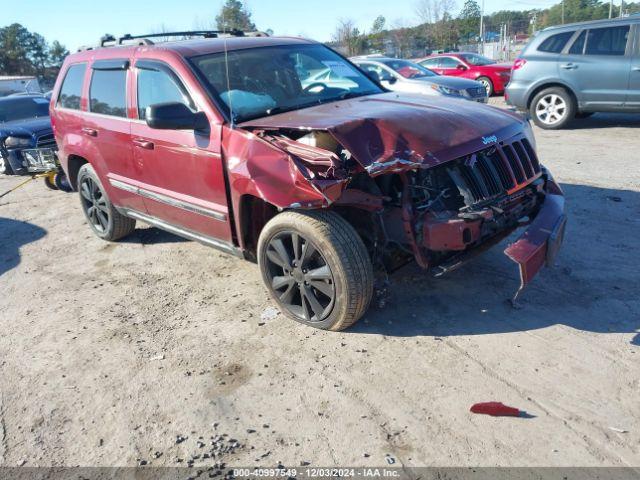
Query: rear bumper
[516, 95]
[540, 243]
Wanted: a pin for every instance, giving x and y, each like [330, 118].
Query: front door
[182, 180]
[451, 67]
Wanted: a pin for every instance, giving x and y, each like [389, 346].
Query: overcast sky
[82, 22]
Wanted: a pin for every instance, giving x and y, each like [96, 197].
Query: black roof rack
[110, 40]
[191, 33]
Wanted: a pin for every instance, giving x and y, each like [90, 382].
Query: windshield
[478, 60]
[270, 80]
[12, 109]
[409, 69]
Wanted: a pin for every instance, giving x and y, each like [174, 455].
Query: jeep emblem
[488, 140]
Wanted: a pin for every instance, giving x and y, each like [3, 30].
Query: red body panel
[197, 181]
[499, 74]
[541, 241]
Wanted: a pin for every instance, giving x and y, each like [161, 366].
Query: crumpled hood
[32, 127]
[392, 131]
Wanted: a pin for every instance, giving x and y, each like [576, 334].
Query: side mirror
[462, 68]
[175, 116]
[392, 80]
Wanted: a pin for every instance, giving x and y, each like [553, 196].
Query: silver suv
[573, 71]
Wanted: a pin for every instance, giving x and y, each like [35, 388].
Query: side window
[431, 63]
[158, 86]
[108, 92]
[607, 41]
[71, 90]
[555, 43]
[448, 62]
[383, 75]
[578, 46]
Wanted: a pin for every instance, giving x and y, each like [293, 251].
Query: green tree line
[27, 53]
[440, 26]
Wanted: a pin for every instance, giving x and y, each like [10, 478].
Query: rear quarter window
[108, 92]
[555, 43]
[71, 90]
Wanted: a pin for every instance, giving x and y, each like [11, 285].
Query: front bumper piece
[39, 160]
[540, 243]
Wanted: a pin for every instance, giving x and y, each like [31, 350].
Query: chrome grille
[495, 171]
[46, 141]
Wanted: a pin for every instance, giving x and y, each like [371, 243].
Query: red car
[493, 75]
[329, 185]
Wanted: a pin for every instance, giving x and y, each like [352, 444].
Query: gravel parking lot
[151, 350]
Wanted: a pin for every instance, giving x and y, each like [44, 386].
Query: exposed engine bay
[435, 215]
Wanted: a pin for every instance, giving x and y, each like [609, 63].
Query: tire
[50, 183]
[62, 182]
[105, 221]
[330, 264]
[553, 108]
[488, 85]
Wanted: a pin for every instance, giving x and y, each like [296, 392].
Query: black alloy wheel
[300, 277]
[94, 204]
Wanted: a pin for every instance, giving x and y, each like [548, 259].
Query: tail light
[518, 64]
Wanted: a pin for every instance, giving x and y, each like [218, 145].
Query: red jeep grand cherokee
[327, 184]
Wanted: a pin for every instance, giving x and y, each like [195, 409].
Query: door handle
[636, 69]
[142, 143]
[569, 66]
[90, 132]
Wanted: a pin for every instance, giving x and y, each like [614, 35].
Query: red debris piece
[495, 409]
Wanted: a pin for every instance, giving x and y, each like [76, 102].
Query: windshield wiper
[350, 94]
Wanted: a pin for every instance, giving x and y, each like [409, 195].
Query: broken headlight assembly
[40, 159]
[17, 142]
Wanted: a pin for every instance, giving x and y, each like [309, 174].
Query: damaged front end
[435, 210]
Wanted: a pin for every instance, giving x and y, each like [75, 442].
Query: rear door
[597, 66]
[633, 96]
[182, 179]
[106, 130]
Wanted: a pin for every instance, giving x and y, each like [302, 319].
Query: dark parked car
[493, 75]
[27, 144]
[575, 70]
[328, 188]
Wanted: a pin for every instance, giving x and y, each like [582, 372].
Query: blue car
[27, 144]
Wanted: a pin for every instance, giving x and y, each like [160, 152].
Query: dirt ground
[160, 350]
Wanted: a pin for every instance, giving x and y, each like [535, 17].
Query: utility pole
[481, 52]
[610, 8]
[534, 21]
[563, 12]
[621, 8]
